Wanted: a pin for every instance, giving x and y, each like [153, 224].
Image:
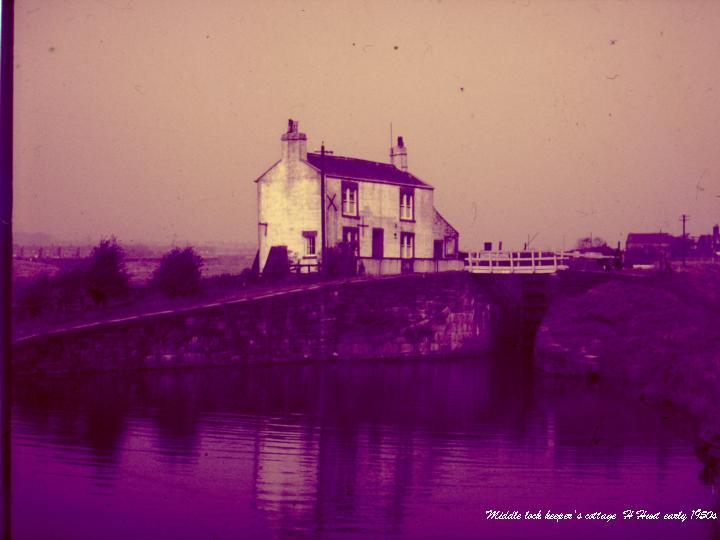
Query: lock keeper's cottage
[378, 212]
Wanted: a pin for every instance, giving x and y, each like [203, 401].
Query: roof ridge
[336, 156]
[359, 168]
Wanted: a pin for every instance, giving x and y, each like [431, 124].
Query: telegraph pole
[684, 218]
[323, 248]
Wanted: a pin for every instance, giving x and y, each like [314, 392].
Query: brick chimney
[398, 155]
[294, 143]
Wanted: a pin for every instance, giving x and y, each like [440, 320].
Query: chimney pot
[398, 155]
[294, 143]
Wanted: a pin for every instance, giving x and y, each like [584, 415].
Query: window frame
[410, 194]
[346, 185]
[410, 236]
[450, 241]
[310, 237]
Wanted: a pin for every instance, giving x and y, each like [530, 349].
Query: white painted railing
[516, 262]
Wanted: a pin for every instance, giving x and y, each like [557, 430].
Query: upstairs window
[350, 199]
[407, 245]
[407, 204]
[310, 242]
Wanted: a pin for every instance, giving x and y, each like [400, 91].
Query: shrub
[70, 289]
[229, 281]
[107, 276]
[341, 260]
[248, 276]
[35, 297]
[179, 272]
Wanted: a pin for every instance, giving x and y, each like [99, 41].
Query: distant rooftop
[649, 238]
[362, 169]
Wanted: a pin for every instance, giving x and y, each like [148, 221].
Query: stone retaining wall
[404, 316]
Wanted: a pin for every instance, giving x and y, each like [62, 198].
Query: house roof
[649, 238]
[362, 169]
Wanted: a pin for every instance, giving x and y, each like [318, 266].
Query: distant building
[648, 247]
[379, 212]
[703, 248]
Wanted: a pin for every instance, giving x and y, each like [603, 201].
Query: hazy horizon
[40, 238]
[150, 121]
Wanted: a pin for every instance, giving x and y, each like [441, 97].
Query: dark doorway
[437, 249]
[378, 243]
[351, 238]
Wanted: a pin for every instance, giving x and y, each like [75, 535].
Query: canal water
[347, 451]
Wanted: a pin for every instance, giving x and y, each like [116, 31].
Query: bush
[107, 276]
[179, 272]
[70, 290]
[35, 297]
[341, 260]
[66, 292]
[230, 281]
[248, 276]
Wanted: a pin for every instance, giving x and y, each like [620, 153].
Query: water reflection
[406, 449]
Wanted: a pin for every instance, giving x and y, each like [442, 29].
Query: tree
[591, 242]
[179, 272]
[107, 276]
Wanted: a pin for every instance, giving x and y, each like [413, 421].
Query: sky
[150, 120]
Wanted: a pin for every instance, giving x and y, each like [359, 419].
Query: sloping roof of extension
[362, 169]
[649, 238]
[447, 223]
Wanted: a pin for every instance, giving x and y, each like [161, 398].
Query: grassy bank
[661, 333]
[144, 300]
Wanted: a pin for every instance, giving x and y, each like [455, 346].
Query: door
[351, 238]
[378, 236]
[437, 249]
